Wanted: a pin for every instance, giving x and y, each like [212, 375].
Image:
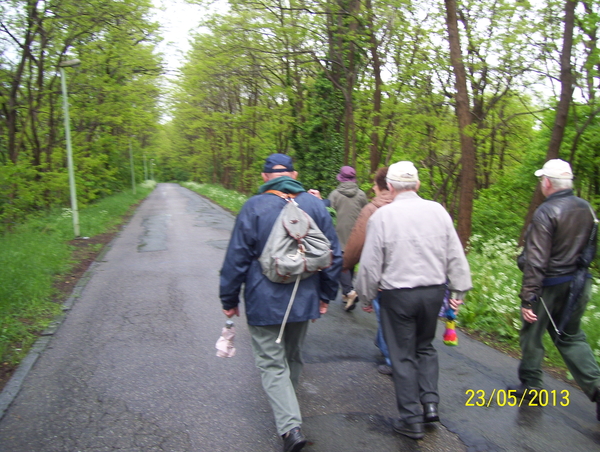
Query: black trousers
[409, 320]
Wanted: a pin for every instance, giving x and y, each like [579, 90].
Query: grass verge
[228, 199]
[40, 264]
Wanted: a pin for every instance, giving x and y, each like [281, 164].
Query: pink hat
[346, 174]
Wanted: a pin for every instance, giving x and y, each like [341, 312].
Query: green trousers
[572, 344]
[280, 366]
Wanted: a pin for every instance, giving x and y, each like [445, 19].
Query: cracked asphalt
[132, 365]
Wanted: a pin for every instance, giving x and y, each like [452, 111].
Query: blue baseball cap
[278, 159]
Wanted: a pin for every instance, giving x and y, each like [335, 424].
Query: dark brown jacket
[558, 233]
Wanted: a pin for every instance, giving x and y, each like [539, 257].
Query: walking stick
[289, 308]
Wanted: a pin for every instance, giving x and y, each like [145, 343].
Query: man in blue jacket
[281, 363]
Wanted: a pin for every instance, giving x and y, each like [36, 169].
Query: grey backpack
[295, 247]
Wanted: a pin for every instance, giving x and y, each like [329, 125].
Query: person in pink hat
[347, 200]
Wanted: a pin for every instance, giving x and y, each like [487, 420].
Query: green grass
[229, 199]
[34, 255]
[493, 306]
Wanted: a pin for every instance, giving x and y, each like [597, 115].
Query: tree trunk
[562, 109]
[374, 153]
[467, 173]
[342, 27]
[12, 106]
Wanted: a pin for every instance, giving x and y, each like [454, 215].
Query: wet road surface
[132, 366]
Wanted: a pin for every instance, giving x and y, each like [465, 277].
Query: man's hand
[454, 304]
[316, 193]
[528, 315]
[231, 312]
[322, 309]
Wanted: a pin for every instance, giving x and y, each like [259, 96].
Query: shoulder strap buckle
[286, 196]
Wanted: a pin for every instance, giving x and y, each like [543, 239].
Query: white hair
[403, 186]
[271, 176]
[560, 184]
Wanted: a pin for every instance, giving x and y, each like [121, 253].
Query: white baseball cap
[402, 172]
[556, 169]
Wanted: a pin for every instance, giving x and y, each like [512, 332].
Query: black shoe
[430, 412]
[598, 410]
[414, 431]
[294, 440]
[524, 392]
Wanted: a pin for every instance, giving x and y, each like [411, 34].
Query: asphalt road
[132, 366]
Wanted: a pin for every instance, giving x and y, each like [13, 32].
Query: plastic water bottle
[225, 348]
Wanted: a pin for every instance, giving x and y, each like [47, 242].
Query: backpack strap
[282, 195]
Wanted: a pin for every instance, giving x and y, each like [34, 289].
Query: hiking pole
[289, 308]
[549, 316]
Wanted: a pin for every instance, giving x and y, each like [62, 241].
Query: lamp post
[75, 212]
[132, 169]
[145, 168]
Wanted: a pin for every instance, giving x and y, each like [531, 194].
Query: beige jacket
[411, 243]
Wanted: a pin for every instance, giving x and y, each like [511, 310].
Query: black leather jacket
[558, 233]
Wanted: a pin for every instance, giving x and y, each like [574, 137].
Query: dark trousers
[409, 320]
[572, 344]
[346, 281]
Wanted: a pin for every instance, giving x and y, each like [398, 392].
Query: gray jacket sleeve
[457, 266]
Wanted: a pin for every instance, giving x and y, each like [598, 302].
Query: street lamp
[75, 212]
[131, 165]
[145, 168]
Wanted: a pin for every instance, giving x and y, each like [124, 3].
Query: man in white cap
[412, 254]
[559, 240]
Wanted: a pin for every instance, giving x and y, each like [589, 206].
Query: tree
[467, 175]
[562, 109]
[115, 43]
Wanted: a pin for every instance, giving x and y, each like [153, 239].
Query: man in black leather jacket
[559, 232]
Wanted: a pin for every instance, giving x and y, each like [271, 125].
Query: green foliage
[112, 96]
[582, 148]
[33, 255]
[320, 146]
[225, 120]
[493, 304]
[501, 208]
[19, 194]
